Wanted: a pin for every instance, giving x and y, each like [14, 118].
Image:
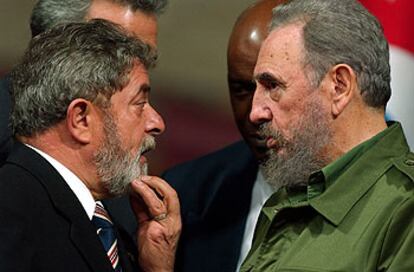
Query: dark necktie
[106, 233]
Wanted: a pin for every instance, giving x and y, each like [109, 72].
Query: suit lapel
[82, 232]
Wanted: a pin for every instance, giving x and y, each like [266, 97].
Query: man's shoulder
[27, 170]
[19, 188]
[14, 170]
[405, 164]
[396, 185]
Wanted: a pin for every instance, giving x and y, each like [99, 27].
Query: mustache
[266, 131]
[148, 144]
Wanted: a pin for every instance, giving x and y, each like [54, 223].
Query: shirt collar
[335, 189]
[76, 185]
[352, 175]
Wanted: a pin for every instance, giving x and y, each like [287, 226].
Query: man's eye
[269, 82]
[270, 85]
[140, 103]
[241, 89]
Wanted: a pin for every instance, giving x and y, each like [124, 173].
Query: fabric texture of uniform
[355, 215]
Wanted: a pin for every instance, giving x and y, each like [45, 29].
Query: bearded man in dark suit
[82, 120]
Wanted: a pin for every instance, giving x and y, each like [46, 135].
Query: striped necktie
[106, 233]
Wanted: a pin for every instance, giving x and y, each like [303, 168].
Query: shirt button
[409, 162]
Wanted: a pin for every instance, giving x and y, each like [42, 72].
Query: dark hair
[90, 60]
[48, 13]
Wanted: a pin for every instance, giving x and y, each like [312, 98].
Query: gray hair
[342, 31]
[48, 13]
[90, 60]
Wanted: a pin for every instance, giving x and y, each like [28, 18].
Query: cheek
[134, 142]
[284, 119]
[132, 132]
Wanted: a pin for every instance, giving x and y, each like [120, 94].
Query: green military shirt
[357, 214]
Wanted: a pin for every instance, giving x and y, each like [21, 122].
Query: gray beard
[301, 155]
[117, 167]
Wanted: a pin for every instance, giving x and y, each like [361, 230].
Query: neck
[70, 154]
[350, 132]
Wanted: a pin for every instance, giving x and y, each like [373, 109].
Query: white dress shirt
[76, 185]
[261, 192]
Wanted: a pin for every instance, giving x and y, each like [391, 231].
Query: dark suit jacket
[119, 207]
[5, 132]
[215, 195]
[43, 226]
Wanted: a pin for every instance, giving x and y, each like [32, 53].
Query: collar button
[409, 162]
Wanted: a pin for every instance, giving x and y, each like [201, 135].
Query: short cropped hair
[48, 13]
[90, 60]
[342, 31]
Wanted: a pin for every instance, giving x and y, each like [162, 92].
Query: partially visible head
[249, 31]
[137, 16]
[84, 76]
[323, 67]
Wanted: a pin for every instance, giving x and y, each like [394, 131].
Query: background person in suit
[138, 17]
[221, 194]
[82, 120]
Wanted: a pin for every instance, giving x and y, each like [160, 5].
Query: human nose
[155, 123]
[260, 112]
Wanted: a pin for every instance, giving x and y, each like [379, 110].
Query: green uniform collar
[344, 186]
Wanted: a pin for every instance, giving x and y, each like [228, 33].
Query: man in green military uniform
[344, 178]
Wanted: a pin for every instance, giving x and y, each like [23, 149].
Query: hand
[157, 209]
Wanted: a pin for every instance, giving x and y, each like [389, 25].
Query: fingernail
[137, 182]
[145, 178]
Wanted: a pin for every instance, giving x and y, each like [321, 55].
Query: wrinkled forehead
[283, 44]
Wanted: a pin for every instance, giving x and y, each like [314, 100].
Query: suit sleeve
[15, 247]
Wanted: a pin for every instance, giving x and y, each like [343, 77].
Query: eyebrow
[264, 77]
[146, 88]
[267, 78]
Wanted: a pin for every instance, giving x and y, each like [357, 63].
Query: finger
[152, 203]
[139, 208]
[170, 197]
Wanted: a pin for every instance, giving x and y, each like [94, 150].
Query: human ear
[344, 86]
[79, 117]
